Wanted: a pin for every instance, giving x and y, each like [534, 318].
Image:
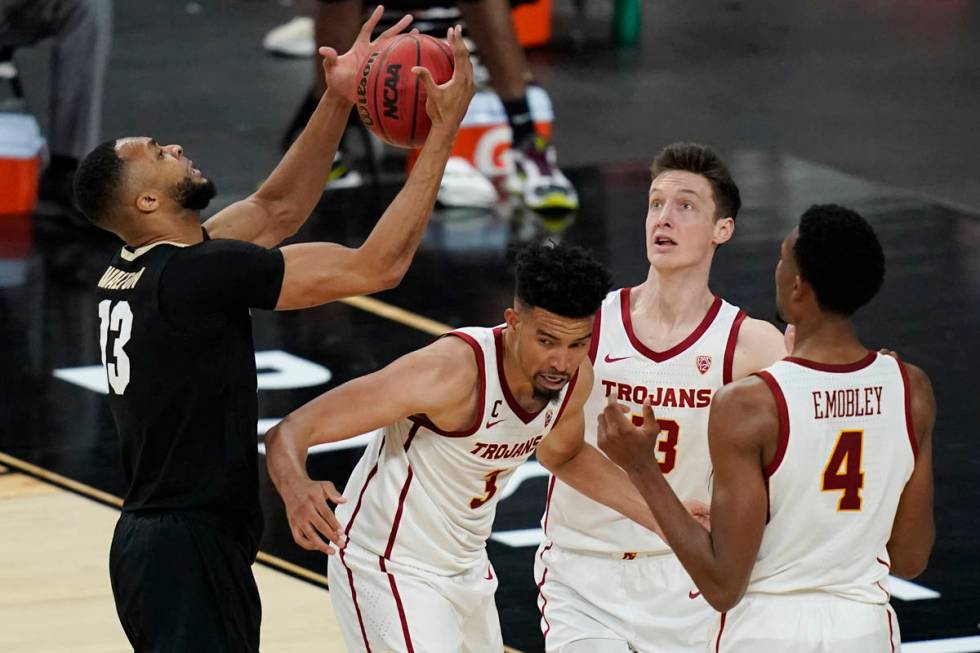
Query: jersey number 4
[667, 446]
[115, 321]
[843, 470]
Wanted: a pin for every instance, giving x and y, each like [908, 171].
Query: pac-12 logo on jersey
[704, 363]
[547, 417]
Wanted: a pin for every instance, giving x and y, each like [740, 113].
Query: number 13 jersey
[680, 383]
[425, 497]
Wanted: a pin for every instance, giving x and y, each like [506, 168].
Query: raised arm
[287, 198]
[567, 455]
[743, 415]
[914, 530]
[317, 273]
[439, 381]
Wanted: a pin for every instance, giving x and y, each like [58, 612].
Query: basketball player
[176, 343]
[457, 418]
[606, 583]
[822, 467]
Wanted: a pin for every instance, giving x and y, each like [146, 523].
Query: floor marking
[951, 645]
[396, 314]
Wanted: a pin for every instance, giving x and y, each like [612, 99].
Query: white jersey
[680, 382]
[424, 497]
[846, 450]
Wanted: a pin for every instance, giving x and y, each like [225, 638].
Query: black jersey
[176, 341]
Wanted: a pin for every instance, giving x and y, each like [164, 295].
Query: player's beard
[545, 393]
[194, 195]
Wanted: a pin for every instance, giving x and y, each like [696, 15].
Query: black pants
[183, 582]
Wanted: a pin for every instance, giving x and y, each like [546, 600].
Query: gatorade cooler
[21, 145]
[484, 135]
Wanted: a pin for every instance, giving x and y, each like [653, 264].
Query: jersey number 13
[116, 321]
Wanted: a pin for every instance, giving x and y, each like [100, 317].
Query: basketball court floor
[872, 105]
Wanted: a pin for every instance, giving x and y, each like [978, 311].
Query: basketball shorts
[386, 606]
[593, 603]
[182, 581]
[805, 623]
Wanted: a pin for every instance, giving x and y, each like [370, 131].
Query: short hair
[702, 160]
[97, 181]
[565, 280]
[839, 255]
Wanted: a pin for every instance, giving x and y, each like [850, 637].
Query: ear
[723, 231]
[798, 288]
[147, 202]
[512, 318]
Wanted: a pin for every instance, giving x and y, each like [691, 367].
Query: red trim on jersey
[564, 402]
[478, 352]
[523, 415]
[398, 604]
[838, 368]
[726, 374]
[909, 425]
[544, 599]
[783, 412]
[367, 481]
[721, 629]
[891, 632]
[411, 435]
[596, 329]
[357, 608]
[887, 566]
[661, 356]
[398, 514]
[547, 504]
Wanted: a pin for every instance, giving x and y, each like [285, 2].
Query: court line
[396, 314]
[89, 492]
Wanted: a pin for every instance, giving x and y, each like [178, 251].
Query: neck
[827, 338]
[672, 297]
[184, 227]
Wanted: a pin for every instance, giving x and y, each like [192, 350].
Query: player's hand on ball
[311, 520]
[446, 103]
[343, 71]
[627, 445]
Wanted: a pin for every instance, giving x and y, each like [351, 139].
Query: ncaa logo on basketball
[547, 417]
[703, 363]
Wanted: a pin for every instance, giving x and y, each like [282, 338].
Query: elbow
[723, 599]
[911, 566]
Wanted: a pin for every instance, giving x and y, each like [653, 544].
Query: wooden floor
[54, 580]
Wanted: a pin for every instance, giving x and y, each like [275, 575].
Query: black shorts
[183, 581]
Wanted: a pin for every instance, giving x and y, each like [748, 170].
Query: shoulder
[922, 399]
[746, 408]
[583, 384]
[451, 364]
[759, 345]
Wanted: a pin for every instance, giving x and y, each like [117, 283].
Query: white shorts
[604, 604]
[384, 606]
[806, 623]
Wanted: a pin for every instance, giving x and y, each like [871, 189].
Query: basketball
[390, 99]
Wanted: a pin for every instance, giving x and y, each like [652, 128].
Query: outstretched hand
[446, 103]
[343, 71]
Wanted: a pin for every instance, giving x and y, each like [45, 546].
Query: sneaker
[463, 185]
[535, 178]
[341, 174]
[292, 39]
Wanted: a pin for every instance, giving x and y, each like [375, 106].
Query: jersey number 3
[116, 321]
[843, 470]
[667, 446]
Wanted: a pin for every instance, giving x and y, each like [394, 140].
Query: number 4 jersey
[176, 341]
[425, 497]
[846, 450]
[680, 383]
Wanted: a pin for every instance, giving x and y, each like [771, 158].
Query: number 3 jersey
[680, 383]
[846, 449]
[176, 342]
[425, 497]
